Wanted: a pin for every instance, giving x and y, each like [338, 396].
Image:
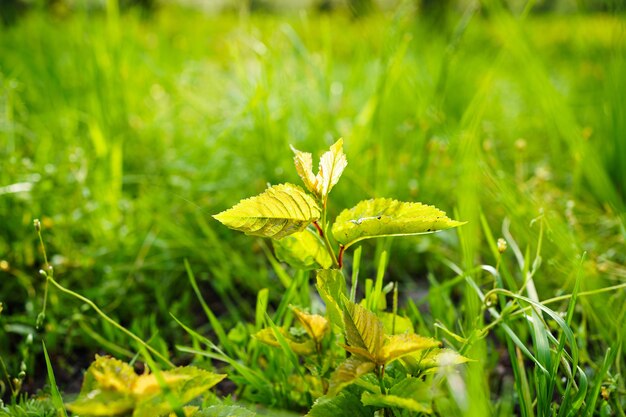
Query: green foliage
[122, 132]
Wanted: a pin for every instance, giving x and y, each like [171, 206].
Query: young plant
[297, 222]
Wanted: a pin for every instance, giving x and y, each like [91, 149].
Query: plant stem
[110, 320]
[323, 231]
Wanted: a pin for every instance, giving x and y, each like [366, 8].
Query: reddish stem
[319, 229]
[340, 257]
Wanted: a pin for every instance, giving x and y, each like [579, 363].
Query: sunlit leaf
[364, 331]
[347, 372]
[387, 217]
[303, 250]
[332, 164]
[185, 383]
[394, 323]
[268, 337]
[400, 345]
[442, 357]
[331, 286]
[112, 388]
[304, 166]
[315, 325]
[102, 403]
[278, 212]
[108, 374]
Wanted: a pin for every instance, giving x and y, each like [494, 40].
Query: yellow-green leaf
[184, 383]
[268, 337]
[332, 164]
[442, 357]
[387, 217]
[364, 331]
[347, 372]
[278, 212]
[304, 166]
[331, 286]
[102, 403]
[108, 374]
[315, 325]
[303, 250]
[380, 400]
[394, 323]
[400, 345]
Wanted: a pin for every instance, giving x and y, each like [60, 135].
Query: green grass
[124, 133]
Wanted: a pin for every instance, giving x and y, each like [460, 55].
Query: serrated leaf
[332, 164]
[340, 405]
[304, 166]
[387, 217]
[331, 286]
[268, 337]
[315, 325]
[400, 345]
[364, 331]
[380, 400]
[278, 212]
[303, 250]
[347, 372]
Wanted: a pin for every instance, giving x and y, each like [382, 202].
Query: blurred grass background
[123, 127]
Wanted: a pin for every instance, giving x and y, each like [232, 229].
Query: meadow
[124, 132]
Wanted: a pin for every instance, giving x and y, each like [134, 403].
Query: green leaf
[185, 383]
[102, 403]
[278, 212]
[315, 325]
[347, 372]
[411, 394]
[364, 331]
[346, 403]
[387, 217]
[332, 164]
[380, 400]
[400, 345]
[108, 374]
[395, 322]
[225, 411]
[268, 337]
[331, 286]
[303, 250]
[430, 361]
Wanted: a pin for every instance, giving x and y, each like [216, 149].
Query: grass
[124, 133]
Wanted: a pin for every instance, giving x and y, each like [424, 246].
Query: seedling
[297, 222]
